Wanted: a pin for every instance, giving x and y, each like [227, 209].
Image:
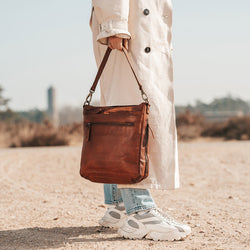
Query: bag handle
[99, 73]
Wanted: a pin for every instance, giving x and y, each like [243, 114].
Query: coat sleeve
[112, 16]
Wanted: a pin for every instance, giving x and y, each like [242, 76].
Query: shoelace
[166, 217]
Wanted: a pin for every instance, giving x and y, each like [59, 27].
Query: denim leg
[112, 195]
[136, 199]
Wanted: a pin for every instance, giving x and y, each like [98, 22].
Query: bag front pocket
[91, 124]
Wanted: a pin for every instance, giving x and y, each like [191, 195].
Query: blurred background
[47, 67]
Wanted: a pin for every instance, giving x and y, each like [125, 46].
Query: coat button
[147, 49]
[146, 12]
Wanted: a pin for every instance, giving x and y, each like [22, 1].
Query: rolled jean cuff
[138, 208]
[114, 202]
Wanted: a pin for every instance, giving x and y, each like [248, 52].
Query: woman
[144, 28]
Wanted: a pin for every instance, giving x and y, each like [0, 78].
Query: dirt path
[45, 204]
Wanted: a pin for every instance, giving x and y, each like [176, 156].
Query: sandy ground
[45, 204]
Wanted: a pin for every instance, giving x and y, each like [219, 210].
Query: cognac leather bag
[115, 140]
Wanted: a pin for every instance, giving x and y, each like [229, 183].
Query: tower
[52, 109]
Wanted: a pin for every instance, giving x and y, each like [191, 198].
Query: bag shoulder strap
[99, 73]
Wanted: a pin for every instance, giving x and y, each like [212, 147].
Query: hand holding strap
[99, 73]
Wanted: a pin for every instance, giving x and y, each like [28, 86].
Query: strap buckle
[89, 98]
[144, 96]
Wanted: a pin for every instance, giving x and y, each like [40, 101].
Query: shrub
[28, 134]
[189, 125]
[43, 138]
[235, 128]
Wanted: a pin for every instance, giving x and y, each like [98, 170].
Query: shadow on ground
[37, 237]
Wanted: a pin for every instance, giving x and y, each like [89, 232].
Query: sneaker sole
[156, 236]
[171, 236]
[105, 223]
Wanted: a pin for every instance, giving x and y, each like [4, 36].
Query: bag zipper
[146, 149]
[89, 125]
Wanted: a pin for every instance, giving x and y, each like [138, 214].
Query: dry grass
[189, 126]
[27, 134]
[237, 128]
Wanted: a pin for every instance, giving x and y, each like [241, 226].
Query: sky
[49, 42]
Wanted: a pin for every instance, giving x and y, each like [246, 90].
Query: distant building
[52, 108]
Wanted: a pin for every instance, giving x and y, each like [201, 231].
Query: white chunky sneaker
[153, 224]
[183, 229]
[114, 216]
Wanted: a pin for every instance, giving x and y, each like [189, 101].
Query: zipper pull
[151, 131]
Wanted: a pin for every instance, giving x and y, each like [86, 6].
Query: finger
[110, 46]
[125, 43]
[115, 43]
[119, 44]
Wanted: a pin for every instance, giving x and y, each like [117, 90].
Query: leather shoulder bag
[115, 141]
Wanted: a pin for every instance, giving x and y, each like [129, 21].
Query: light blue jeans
[134, 199]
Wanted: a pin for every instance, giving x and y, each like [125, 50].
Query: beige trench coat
[147, 23]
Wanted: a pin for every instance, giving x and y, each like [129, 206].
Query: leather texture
[115, 143]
